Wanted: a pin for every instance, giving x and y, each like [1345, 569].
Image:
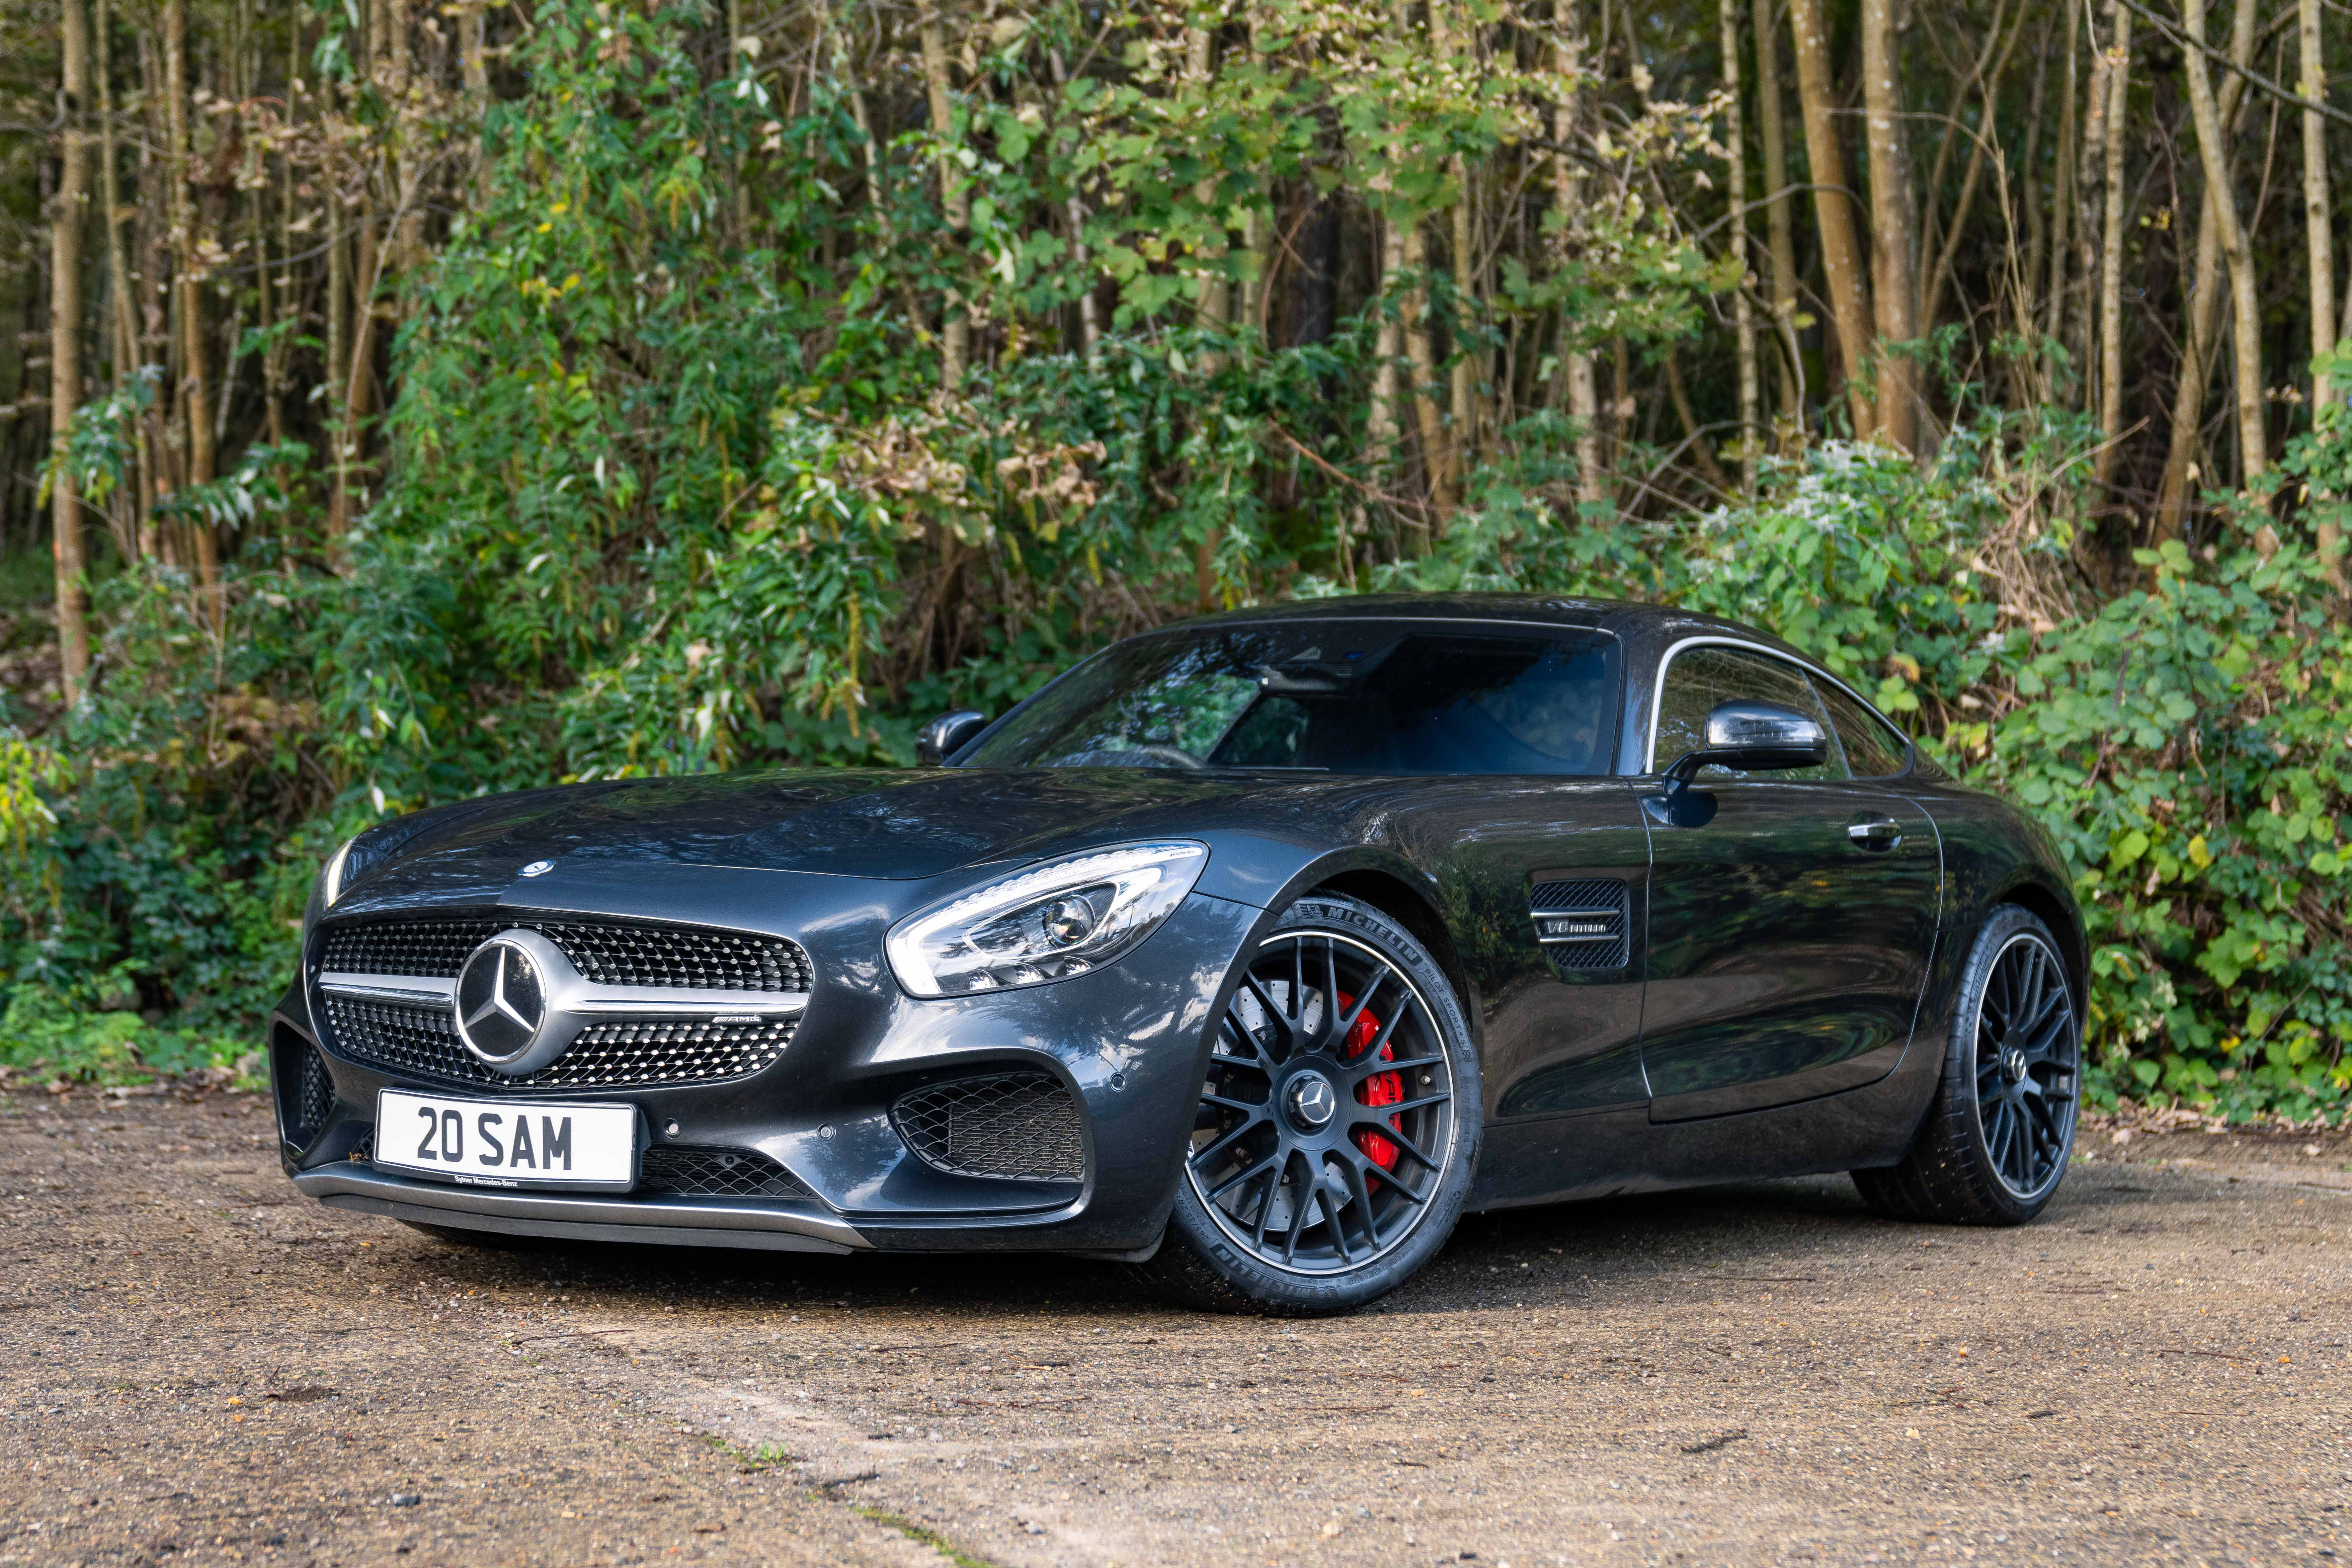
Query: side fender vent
[1582, 925]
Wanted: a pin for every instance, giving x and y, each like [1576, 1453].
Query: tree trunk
[123, 328]
[2061, 202]
[1895, 287]
[195, 404]
[2319, 243]
[1780, 212]
[2111, 248]
[1381, 417]
[1435, 461]
[476, 65]
[2204, 314]
[1215, 307]
[1742, 321]
[70, 214]
[1849, 290]
[2244, 298]
[1592, 487]
[1463, 388]
[2328, 536]
[955, 331]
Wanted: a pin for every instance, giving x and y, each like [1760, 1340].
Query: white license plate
[512, 1144]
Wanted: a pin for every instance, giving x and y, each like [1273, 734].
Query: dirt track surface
[197, 1365]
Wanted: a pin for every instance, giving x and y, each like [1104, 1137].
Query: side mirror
[946, 735]
[1752, 737]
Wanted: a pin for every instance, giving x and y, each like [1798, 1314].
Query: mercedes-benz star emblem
[1312, 1100]
[539, 868]
[501, 1001]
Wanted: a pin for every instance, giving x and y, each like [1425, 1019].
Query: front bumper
[1126, 1043]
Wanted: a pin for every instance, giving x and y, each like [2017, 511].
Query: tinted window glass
[1343, 696]
[1699, 678]
[1874, 749]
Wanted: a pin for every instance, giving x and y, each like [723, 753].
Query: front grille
[405, 947]
[1013, 1124]
[717, 1173]
[1589, 915]
[318, 1097]
[609, 952]
[420, 1042]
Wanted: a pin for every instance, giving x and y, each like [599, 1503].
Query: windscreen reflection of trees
[1307, 698]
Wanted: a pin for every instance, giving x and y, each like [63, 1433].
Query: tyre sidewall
[1265, 1288]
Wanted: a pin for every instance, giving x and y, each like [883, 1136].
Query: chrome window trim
[1665, 662]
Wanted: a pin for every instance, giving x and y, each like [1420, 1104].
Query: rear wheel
[1338, 1123]
[1996, 1140]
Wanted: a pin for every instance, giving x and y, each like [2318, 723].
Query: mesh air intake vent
[717, 1173]
[1581, 924]
[1017, 1125]
[318, 1098]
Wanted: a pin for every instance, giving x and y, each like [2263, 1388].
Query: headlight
[330, 880]
[1048, 923]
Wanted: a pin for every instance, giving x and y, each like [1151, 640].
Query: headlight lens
[1048, 923]
[330, 880]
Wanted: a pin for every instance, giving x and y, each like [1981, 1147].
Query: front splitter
[363, 1190]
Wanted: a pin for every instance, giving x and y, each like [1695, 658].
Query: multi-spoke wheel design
[2026, 1066]
[1325, 1122]
[1996, 1139]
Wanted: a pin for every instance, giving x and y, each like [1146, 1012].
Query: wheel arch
[2057, 910]
[1407, 905]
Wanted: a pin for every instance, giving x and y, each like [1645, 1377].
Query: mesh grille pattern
[421, 1042]
[1014, 1124]
[717, 1173]
[612, 955]
[318, 1095]
[663, 955]
[1601, 902]
[405, 947]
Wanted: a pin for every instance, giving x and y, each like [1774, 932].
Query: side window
[1699, 678]
[1873, 749]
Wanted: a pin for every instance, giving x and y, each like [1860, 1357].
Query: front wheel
[1337, 1124]
[1997, 1136]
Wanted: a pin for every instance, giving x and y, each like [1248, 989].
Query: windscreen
[1338, 697]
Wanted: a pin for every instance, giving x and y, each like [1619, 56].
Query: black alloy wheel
[1331, 1145]
[2026, 1066]
[1997, 1140]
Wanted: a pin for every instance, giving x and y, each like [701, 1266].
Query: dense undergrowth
[657, 504]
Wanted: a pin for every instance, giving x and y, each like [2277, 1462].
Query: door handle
[1875, 833]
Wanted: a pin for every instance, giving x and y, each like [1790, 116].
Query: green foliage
[660, 500]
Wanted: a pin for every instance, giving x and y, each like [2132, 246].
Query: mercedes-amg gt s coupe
[1251, 952]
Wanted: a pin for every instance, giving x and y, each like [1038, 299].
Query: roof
[1625, 617]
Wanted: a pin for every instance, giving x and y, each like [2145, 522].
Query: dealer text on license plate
[484, 1144]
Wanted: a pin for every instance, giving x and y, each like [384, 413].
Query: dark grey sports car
[1251, 952]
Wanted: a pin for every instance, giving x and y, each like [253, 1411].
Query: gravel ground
[201, 1366]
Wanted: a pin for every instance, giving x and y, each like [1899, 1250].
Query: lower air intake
[318, 1097]
[1015, 1125]
[717, 1173]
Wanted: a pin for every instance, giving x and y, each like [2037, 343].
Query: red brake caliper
[1381, 1088]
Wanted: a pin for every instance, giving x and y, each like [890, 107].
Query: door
[1790, 927]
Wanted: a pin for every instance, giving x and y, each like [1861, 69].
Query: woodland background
[400, 401]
